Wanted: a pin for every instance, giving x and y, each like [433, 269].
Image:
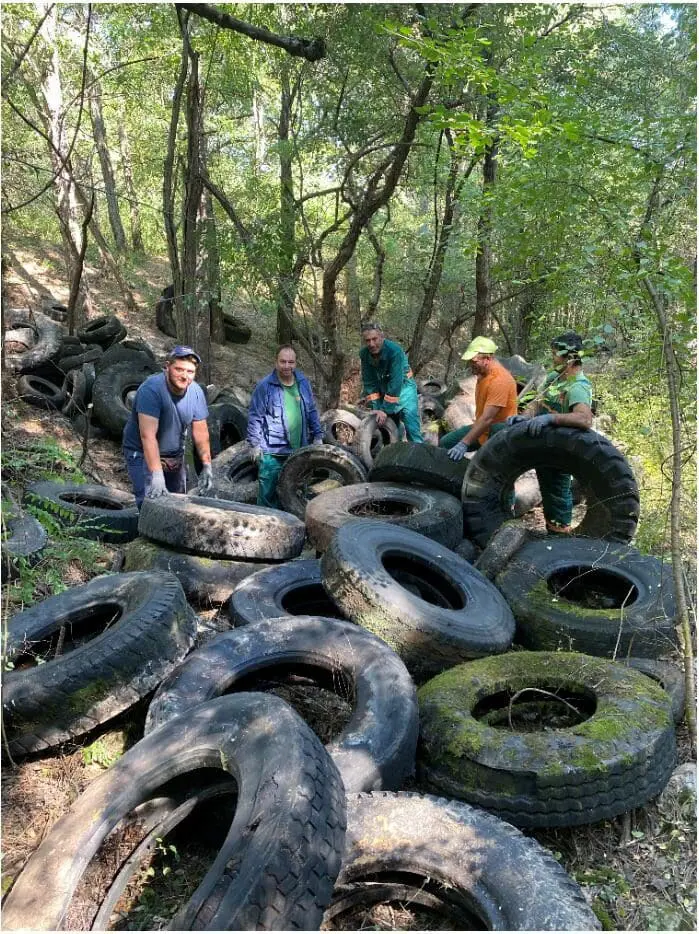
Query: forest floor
[638, 872]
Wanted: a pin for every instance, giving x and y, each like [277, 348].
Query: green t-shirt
[560, 395]
[292, 411]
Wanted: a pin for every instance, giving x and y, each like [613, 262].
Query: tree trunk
[134, 212]
[286, 283]
[100, 135]
[352, 297]
[484, 234]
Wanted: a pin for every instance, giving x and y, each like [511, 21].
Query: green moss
[540, 596]
[140, 555]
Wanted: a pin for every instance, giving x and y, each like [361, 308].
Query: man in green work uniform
[565, 400]
[283, 417]
[387, 381]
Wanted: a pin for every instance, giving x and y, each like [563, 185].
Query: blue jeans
[140, 476]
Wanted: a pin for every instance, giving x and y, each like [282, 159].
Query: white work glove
[458, 451]
[157, 486]
[317, 441]
[206, 479]
[256, 454]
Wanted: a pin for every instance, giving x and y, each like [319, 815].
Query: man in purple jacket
[283, 417]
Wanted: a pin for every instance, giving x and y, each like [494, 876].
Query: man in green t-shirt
[564, 400]
[283, 417]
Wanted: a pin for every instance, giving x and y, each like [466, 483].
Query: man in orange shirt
[496, 399]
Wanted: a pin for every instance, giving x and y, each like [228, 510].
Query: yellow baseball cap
[479, 345]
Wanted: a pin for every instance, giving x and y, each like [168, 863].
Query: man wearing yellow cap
[496, 399]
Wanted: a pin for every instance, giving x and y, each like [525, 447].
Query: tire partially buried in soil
[294, 588]
[432, 607]
[546, 739]
[463, 868]
[89, 653]
[588, 595]
[285, 840]
[605, 475]
[92, 510]
[311, 470]
[432, 513]
[221, 529]
[206, 582]
[377, 747]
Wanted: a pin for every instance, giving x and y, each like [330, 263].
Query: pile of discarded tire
[498, 676]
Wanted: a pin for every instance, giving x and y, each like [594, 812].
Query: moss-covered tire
[558, 588]
[234, 474]
[377, 747]
[294, 588]
[603, 471]
[206, 582]
[668, 676]
[308, 469]
[370, 438]
[614, 753]
[468, 869]
[432, 513]
[281, 856]
[122, 633]
[90, 509]
[220, 529]
[432, 607]
[420, 464]
[111, 391]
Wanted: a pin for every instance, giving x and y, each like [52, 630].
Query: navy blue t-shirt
[174, 413]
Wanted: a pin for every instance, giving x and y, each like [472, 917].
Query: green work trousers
[556, 495]
[268, 471]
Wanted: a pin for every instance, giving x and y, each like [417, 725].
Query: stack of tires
[413, 639]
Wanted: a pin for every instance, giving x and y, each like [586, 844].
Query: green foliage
[99, 753]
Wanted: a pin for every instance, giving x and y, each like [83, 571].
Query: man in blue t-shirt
[166, 404]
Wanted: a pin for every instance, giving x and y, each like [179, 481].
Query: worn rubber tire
[420, 464]
[534, 586]
[481, 872]
[669, 677]
[285, 840]
[612, 492]
[91, 510]
[432, 387]
[72, 361]
[377, 747]
[235, 474]
[370, 439]
[312, 464]
[294, 588]
[23, 540]
[221, 529]
[110, 390]
[68, 696]
[615, 760]
[235, 331]
[366, 567]
[18, 340]
[432, 513]
[339, 426]
[77, 387]
[206, 582]
[502, 547]
[48, 340]
[40, 392]
[430, 408]
[468, 551]
[105, 331]
[120, 353]
[228, 425]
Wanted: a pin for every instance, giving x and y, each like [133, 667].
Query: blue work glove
[256, 454]
[317, 441]
[157, 487]
[536, 424]
[458, 451]
[206, 479]
[515, 419]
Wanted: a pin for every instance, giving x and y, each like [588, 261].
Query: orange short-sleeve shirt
[496, 388]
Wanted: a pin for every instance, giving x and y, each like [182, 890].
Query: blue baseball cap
[180, 351]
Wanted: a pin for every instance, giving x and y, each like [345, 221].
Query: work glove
[256, 454]
[536, 424]
[157, 486]
[458, 451]
[317, 441]
[515, 419]
[206, 479]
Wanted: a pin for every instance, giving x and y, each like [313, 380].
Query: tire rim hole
[309, 600]
[247, 473]
[535, 709]
[319, 480]
[431, 584]
[403, 901]
[90, 502]
[229, 435]
[70, 634]
[380, 508]
[129, 394]
[175, 856]
[592, 589]
[324, 698]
